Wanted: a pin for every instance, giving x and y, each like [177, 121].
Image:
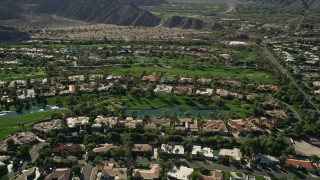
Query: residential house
[7, 99]
[2, 83]
[104, 148]
[103, 87]
[225, 56]
[278, 113]
[93, 78]
[4, 160]
[19, 83]
[131, 123]
[301, 164]
[186, 124]
[151, 126]
[227, 94]
[19, 139]
[206, 152]
[28, 95]
[28, 174]
[107, 121]
[183, 90]
[183, 173]
[86, 88]
[71, 90]
[59, 174]
[77, 121]
[214, 175]
[167, 80]
[76, 78]
[215, 127]
[69, 147]
[204, 92]
[193, 126]
[156, 123]
[204, 81]
[316, 83]
[264, 122]
[163, 89]
[173, 149]
[267, 160]
[263, 87]
[110, 171]
[185, 80]
[248, 177]
[141, 148]
[153, 173]
[150, 79]
[22, 138]
[235, 153]
[241, 126]
[113, 77]
[48, 126]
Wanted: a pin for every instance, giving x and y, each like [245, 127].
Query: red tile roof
[69, 148]
[301, 163]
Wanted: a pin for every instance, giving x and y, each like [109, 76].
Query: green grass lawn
[9, 125]
[6, 132]
[216, 152]
[147, 103]
[53, 101]
[165, 11]
[232, 73]
[259, 178]
[226, 175]
[21, 73]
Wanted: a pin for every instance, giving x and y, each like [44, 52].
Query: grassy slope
[11, 124]
[182, 9]
[21, 74]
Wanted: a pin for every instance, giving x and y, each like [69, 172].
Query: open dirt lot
[304, 148]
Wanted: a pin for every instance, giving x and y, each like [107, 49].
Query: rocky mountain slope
[11, 34]
[184, 23]
[190, 23]
[100, 11]
[9, 11]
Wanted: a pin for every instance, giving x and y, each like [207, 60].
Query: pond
[33, 109]
[177, 110]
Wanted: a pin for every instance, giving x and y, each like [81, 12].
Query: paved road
[263, 46]
[35, 150]
[259, 172]
[288, 106]
[198, 164]
[86, 171]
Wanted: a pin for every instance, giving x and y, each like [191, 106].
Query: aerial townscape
[159, 89]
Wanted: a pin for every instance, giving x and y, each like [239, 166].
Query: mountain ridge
[99, 11]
